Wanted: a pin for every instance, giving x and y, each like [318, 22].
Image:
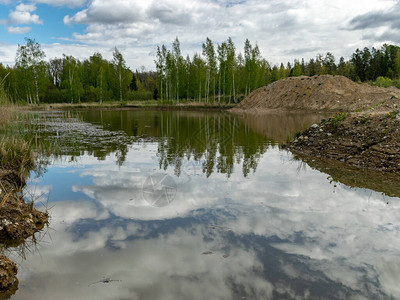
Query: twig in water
[105, 280]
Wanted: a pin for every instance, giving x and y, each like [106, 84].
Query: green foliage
[141, 95]
[383, 82]
[32, 68]
[297, 69]
[362, 119]
[155, 94]
[393, 114]
[337, 118]
[220, 73]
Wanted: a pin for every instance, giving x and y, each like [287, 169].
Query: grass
[392, 114]
[337, 118]
[7, 116]
[16, 154]
[363, 119]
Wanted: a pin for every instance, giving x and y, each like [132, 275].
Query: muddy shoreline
[175, 107]
[366, 141]
[18, 221]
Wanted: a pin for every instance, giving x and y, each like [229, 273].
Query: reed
[16, 155]
[8, 114]
[15, 152]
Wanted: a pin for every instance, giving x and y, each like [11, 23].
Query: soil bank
[18, 220]
[186, 106]
[368, 141]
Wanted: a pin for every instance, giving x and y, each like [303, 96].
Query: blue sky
[51, 29]
[284, 30]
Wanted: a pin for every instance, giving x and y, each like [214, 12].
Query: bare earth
[366, 136]
[320, 93]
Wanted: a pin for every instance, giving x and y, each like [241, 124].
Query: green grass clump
[16, 155]
[362, 119]
[392, 114]
[337, 118]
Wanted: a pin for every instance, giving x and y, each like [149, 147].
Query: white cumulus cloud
[23, 15]
[283, 30]
[68, 3]
[18, 30]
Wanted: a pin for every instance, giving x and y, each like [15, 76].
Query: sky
[283, 30]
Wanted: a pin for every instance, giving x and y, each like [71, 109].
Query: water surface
[190, 205]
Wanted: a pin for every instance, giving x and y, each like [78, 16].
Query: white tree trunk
[101, 88]
[120, 86]
[37, 91]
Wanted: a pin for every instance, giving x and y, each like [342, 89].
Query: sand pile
[320, 93]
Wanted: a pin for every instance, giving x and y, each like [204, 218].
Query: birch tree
[160, 66]
[209, 53]
[120, 69]
[178, 62]
[30, 58]
[69, 68]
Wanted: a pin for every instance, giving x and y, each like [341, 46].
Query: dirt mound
[320, 93]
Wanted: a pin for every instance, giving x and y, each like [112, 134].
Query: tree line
[219, 74]
[33, 80]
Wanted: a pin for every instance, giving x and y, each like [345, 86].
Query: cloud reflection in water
[282, 231]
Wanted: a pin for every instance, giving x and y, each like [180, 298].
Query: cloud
[18, 30]
[378, 26]
[282, 225]
[23, 15]
[284, 31]
[25, 7]
[387, 36]
[107, 12]
[8, 53]
[388, 18]
[68, 3]
[169, 13]
[281, 30]
[298, 51]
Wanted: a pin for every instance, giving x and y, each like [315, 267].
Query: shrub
[383, 82]
[337, 118]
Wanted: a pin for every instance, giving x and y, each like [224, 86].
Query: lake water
[192, 205]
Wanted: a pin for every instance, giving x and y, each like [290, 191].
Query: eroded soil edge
[369, 140]
[18, 220]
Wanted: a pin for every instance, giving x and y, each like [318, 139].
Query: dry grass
[8, 114]
[16, 155]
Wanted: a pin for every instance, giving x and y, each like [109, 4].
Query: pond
[199, 205]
